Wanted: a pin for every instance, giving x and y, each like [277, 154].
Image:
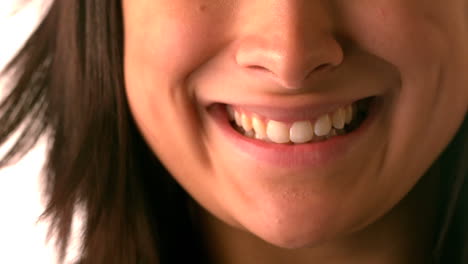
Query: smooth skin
[181, 56]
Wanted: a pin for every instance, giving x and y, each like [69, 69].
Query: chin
[294, 238]
[290, 229]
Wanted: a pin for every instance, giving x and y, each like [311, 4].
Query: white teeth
[237, 118]
[301, 132]
[259, 128]
[339, 118]
[246, 122]
[277, 132]
[349, 114]
[323, 126]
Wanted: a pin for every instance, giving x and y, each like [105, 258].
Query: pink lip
[314, 154]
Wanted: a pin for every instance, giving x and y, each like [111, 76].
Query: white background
[22, 238]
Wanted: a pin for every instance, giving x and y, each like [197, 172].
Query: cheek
[426, 46]
[165, 54]
[161, 51]
[164, 44]
[171, 40]
[397, 32]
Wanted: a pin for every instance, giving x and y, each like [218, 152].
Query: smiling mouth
[341, 121]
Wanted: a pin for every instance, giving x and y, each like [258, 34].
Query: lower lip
[315, 154]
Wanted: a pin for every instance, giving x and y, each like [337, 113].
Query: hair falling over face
[97, 159]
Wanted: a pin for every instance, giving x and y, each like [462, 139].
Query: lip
[291, 114]
[315, 154]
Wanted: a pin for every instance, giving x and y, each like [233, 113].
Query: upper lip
[288, 114]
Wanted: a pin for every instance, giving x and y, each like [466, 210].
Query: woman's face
[290, 69]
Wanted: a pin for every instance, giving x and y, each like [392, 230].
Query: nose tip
[289, 62]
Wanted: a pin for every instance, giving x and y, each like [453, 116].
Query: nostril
[261, 70]
[322, 67]
[257, 68]
[289, 62]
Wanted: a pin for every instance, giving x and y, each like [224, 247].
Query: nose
[289, 41]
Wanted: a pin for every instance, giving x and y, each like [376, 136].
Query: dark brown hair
[68, 84]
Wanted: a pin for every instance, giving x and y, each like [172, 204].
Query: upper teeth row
[297, 132]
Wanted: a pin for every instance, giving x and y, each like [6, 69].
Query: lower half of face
[294, 135]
